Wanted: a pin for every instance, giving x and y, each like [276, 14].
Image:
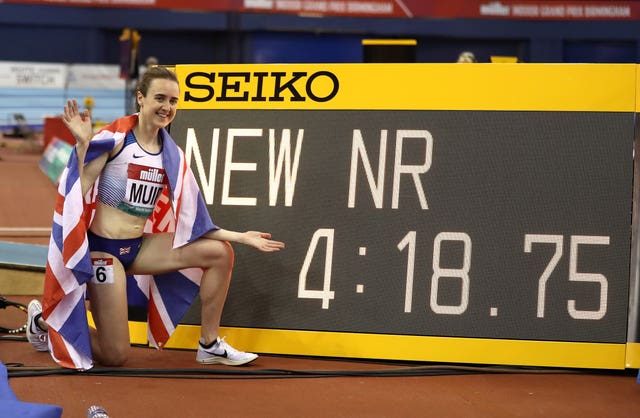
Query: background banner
[95, 76]
[14, 74]
[488, 9]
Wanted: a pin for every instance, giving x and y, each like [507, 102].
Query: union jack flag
[167, 296]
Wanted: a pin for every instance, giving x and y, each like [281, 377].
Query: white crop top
[133, 179]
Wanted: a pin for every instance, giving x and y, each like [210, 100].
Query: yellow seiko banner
[541, 87]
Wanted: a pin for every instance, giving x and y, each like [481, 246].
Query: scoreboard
[433, 212]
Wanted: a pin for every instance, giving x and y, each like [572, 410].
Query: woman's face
[158, 106]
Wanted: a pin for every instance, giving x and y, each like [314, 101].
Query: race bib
[144, 187]
[102, 271]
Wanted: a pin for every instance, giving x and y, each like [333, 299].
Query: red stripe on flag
[156, 326]
[60, 351]
[124, 124]
[73, 241]
[59, 204]
[52, 293]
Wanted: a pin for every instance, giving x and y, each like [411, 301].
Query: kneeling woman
[128, 205]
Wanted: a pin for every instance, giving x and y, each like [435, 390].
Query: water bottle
[96, 411]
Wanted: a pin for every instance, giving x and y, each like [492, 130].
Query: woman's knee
[217, 254]
[114, 356]
[227, 254]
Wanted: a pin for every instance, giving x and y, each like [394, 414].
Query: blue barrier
[37, 103]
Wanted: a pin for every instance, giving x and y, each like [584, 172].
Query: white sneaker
[222, 353]
[38, 337]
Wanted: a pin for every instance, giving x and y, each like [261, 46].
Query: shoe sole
[225, 361]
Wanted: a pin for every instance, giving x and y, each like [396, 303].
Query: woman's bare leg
[213, 291]
[110, 342]
[215, 257]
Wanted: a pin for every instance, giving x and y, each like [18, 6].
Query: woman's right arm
[79, 123]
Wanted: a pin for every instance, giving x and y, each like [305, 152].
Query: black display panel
[487, 224]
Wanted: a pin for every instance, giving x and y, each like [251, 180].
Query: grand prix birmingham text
[261, 86]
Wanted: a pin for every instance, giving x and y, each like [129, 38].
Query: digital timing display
[483, 224]
[456, 203]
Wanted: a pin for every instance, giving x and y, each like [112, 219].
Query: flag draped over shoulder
[180, 210]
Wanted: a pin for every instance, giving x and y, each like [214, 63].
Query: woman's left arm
[259, 240]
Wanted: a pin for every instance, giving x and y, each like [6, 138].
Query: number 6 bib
[102, 270]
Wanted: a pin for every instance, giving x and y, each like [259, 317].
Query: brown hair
[153, 73]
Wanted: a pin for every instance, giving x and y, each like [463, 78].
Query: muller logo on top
[153, 175]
